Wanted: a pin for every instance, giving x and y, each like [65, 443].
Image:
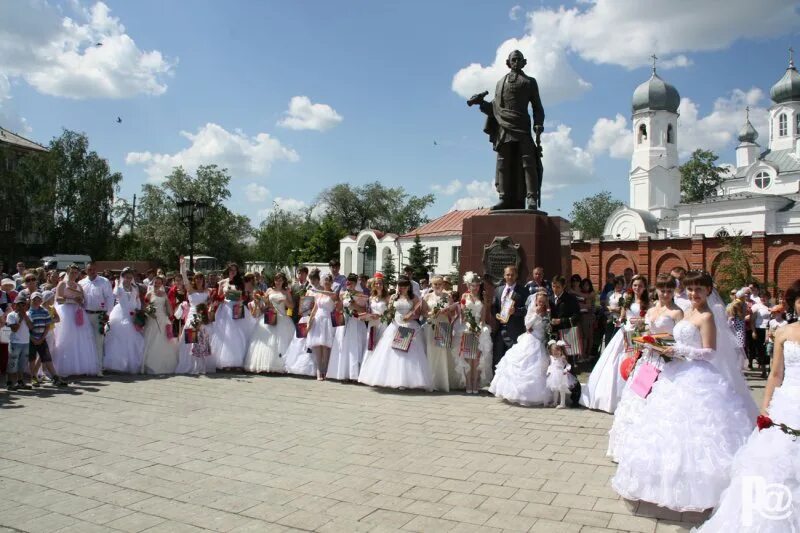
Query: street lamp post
[192, 212]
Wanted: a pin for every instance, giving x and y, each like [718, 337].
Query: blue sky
[382, 81]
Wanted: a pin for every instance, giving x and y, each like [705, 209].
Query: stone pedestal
[542, 241]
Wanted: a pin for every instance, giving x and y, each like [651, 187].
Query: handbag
[237, 311]
[270, 317]
[301, 330]
[402, 339]
[573, 339]
[79, 317]
[643, 380]
[337, 319]
[189, 336]
[168, 331]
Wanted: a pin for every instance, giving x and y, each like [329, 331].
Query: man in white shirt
[760, 315]
[98, 300]
[680, 297]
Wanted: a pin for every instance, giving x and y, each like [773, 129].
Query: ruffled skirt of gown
[604, 388]
[321, 332]
[298, 359]
[461, 366]
[387, 367]
[347, 350]
[229, 337]
[160, 352]
[521, 375]
[438, 359]
[680, 452]
[75, 351]
[268, 346]
[768, 466]
[124, 345]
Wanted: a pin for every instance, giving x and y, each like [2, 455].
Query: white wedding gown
[124, 345]
[299, 360]
[679, 454]
[348, 346]
[604, 388]
[375, 327]
[388, 367]
[768, 467]
[461, 366]
[75, 352]
[160, 351]
[631, 405]
[521, 375]
[268, 344]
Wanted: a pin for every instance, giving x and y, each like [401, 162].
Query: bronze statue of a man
[519, 159]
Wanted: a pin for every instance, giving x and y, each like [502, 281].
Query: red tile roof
[447, 224]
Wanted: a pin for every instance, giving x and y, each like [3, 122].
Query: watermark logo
[769, 501]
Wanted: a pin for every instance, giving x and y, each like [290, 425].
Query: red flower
[643, 313]
[649, 339]
[764, 422]
[629, 292]
[131, 313]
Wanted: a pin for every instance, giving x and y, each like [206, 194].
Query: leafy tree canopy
[590, 214]
[700, 176]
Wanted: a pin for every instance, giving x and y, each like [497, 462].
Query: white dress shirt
[97, 294]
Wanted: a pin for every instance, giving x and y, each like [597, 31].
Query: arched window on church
[762, 180]
[782, 125]
[670, 135]
[642, 134]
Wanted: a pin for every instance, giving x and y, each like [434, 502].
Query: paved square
[256, 453]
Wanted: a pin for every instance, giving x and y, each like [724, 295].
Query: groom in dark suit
[565, 312]
[506, 333]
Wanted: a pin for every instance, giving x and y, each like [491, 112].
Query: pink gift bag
[644, 378]
[79, 317]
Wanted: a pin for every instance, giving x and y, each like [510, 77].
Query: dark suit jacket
[516, 324]
[567, 309]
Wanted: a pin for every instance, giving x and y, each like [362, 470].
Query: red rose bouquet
[765, 422]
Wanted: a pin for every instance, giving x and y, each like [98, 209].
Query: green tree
[389, 270]
[700, 177]
[590, 214]
[323, 242]
[419, 259]
[389, 209]
[734, 269]
[163, 236]
[279, 240]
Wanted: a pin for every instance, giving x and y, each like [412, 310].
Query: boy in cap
[18, 349]
[40, 324]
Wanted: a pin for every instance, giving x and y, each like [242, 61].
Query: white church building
[761, 194]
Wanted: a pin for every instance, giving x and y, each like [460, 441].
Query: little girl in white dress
[521, 375]
[320, 328]
[559, 378]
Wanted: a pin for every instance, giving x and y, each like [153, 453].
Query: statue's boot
[531, 203]
[502, 205]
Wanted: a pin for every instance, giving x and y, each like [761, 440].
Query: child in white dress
[559, 378]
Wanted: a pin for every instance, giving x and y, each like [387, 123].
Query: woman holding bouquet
[320, 326]
[348, 345]
[75, 351]
[661, 318]
[160, 348]
[521, 376]
[399, 359]
[194, 353]
[770, 457]
[604, 388]
[438, 307]
[680, 453]
[376, 316]
[274, 330]
[472, 342]
[229, 341]
[124, 344]
[299, 359]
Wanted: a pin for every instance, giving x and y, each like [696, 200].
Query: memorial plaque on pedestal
[498, 255]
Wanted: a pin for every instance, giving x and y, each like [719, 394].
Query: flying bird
[435, 143]
[119, 120]
[98, 44]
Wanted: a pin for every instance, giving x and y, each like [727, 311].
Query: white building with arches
[761, 193]
[367, 252]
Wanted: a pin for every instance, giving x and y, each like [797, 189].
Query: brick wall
[776, 257]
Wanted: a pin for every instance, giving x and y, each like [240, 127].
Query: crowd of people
[670, 368]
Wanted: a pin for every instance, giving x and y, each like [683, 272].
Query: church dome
[787, 89]
[656, 94]
[748, 133]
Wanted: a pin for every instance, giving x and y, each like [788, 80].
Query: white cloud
[9, 118]
[448, 190]
[292, 205]
[612, 136]
[305, 115]
[481, 194]
[59, 55]
[718, 130]
[256, 192]
[213, 144]
[627, 32]
[514, 12]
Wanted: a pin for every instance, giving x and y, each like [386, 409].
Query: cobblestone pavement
[273, 453]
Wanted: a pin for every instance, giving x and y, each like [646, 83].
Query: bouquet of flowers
[200, 317]
[388, 315]
[139, 319]
[470, 322]
[233, 295]
[102, 322]
[347, 301]
[628, 299]
[441, 303]
[765, 422]
[150, 310]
